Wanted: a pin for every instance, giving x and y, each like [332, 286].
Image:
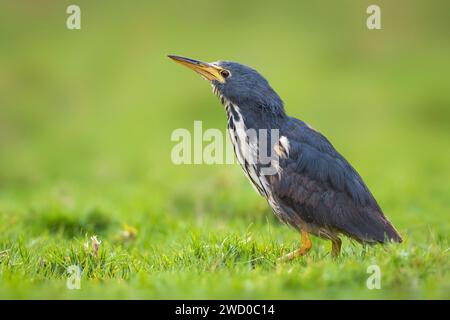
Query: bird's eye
[225, 73]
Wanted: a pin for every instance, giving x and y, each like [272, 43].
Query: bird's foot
[306, 245]
[294, 254]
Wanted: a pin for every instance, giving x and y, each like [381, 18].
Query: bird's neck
[252, 116]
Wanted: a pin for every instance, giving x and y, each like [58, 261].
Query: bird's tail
[390, 233]
[373, 227]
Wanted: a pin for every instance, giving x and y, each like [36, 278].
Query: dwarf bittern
[314, 189]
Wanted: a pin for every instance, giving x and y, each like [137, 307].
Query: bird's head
[237, 83]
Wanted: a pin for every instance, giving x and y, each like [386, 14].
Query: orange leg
[305, 246]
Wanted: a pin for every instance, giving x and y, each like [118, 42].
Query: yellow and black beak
[207, 70]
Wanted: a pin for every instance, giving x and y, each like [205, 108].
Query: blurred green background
[85, 123]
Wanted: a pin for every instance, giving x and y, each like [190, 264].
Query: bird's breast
[245, 147]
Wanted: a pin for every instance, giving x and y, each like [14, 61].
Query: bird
[310, 187]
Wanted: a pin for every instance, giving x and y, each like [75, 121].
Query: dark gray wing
[320, 186]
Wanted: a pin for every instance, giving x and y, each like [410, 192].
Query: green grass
[85, 124]
[224, 245]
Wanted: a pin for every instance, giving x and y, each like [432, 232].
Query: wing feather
[319, 186]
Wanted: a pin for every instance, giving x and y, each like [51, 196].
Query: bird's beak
[207, 70]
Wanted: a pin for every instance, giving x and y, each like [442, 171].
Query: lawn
[86, 118]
